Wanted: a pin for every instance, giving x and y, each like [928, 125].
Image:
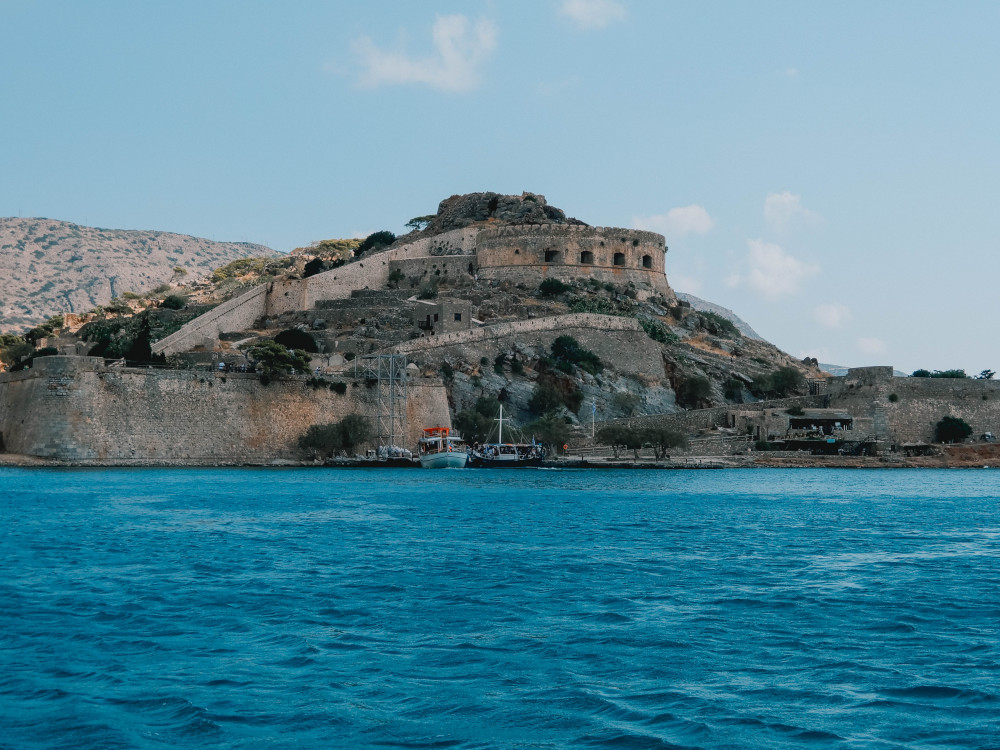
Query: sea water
[258, 608]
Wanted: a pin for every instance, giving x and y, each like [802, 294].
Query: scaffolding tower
[388, 410]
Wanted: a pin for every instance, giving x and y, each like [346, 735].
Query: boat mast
[500, 436]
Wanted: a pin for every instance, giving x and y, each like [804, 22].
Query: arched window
[647, 261]
[587, 258]
[551, 256]
[619, 259]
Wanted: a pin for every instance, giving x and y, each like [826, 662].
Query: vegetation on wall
[939, 374]
[781, 383]
[694, 393]
[553, 287]
[273, 360]
[294, 338]
[951, 430]
[375, 241]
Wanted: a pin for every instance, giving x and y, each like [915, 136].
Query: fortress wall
[237, 314]
[528, 254]
[451, 268]
[613, 339]
[516, 329]
[369, 272]
[75, 409]
[922, 402]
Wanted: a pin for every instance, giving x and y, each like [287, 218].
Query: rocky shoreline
[951, 457]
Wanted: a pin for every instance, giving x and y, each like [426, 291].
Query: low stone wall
[517, 329]
[236, 314]
[76, 409]
[369, 272]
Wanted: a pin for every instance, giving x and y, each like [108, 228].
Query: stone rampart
[528, 254]
[516, 329]
[912, 407]
[237, 314]
[76, 409]
[455, 269]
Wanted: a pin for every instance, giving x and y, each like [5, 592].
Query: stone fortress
[80, 409]
[524, 254]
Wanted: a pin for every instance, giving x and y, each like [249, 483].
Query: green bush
[568, 350]
[339, 387]
[657, 331]
[694, 392]
[795, 411]
[375, 241]
[716, 325]
[783, 382]
[313, 267]
[732, 389]
[951, 430]
[553, 287]
[273, 360]
[551, 430]
[893, 398]
[174, 302]
[294, 338]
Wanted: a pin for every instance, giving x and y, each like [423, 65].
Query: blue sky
[829, 172]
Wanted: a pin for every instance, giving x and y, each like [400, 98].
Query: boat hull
[444, 460]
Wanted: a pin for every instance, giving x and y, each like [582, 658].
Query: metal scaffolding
[389, 406]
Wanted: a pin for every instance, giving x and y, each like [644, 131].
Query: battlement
[489, 234]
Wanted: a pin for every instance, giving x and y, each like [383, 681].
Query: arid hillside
[49, 266]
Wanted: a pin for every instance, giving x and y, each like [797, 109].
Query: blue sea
[301, 608]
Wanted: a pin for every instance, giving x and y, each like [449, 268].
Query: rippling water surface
[475, 609]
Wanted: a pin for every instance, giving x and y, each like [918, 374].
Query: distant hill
[702, 305]
[49, 266]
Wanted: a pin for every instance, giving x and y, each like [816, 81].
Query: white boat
[439, 449]
[501, 455]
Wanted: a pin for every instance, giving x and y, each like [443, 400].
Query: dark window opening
[551, 256]
[435, 318]
[470, 269]
[647, 261]
[587, 257]
[619, 259]
[458, 317]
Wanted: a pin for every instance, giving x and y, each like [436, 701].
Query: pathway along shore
[963, 456]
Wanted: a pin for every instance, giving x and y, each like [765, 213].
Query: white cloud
[773, 272]
[832, 315]
[871, 345]
[782, 209]
[592, 14]
[693, 219]
[460, 48]
[789, 73]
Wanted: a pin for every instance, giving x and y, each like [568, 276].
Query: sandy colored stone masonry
[76, 409]
[523, 254]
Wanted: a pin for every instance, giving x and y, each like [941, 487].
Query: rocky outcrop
[460, 211]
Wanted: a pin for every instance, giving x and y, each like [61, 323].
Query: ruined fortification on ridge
[487, 236]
